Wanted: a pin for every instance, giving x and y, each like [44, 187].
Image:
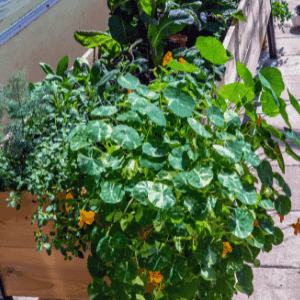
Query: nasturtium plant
[168, 197]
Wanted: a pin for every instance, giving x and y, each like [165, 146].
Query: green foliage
[168, 192]
[281, 12]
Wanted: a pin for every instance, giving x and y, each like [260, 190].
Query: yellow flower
[167, 58]
[69, 196]
[130, 91]
[226, 248]
[86, 217]
[68, 208]
[181, 60]
[155, 276]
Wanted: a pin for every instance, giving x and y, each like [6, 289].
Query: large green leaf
[155, 147]
[230, 180]
[233, 154]
[200, 177]
[119, 240]
[198, 128]
[111, 192]
[258, 239]
[145, 91]
[283, 205]
[170, 23]
[247, 195]
[161, 196]
[98, 131]
[266, 225]
[62, 65]
[245, 277]
[104, 111]
[197, 206]
[175, 271]
[180, 102]
[120, 30]
[179, 159]
[128, 81]
[152, 163]
[208, 253]
[244, 73]
[265, 174]
[180, 181]
[89, 161]
[215, 115]
[241, 223]
[280, 181]
[138, 103]
[92, 39]
[156, 115]
[140, 191]
[126, 137]
[126, 271]
[212, 50]
[235, 92]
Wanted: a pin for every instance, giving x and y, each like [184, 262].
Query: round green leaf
[265, 173]
[111, 192]
[198, 128]
[180, 102]
[89, 161]
[119, 240]
[104, 111]
[231, 153]
[126, 271]
[277, 236]
[98, 131]
[212, 50]
[126, 137]
[266, 225]
[283, 205]
[200, 177]
[266, 204]
[215, 115]
[250, 156]
[179, 159]
[103, 250]
[241, 223]
[140, 191]
[156, 115]
[180, 181]
[152, 163]
[161, 196]
[280, 181]
[145, 91]
[128, 81]
[247, 195]
[231, 117]
[155, 147]
[230, 180]
[258, 239]
[130, 116]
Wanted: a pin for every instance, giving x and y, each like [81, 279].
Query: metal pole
[271, 36]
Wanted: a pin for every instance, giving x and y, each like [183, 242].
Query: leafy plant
[281, 12]
[165, 193]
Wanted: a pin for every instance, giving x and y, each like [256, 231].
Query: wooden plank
[244, 40]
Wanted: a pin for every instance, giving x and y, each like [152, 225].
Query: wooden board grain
[244, 40]
[27, 272]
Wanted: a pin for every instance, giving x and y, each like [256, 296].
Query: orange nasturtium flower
[130, 91]
[296, 226]
[86, 217]
[167, 58]
[226, 248]
[181, 60]
[258, 121]
[255, 223]
[155, 276]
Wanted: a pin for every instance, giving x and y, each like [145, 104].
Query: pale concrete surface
[278, 277]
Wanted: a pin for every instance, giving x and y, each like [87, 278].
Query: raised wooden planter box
[25, 271]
